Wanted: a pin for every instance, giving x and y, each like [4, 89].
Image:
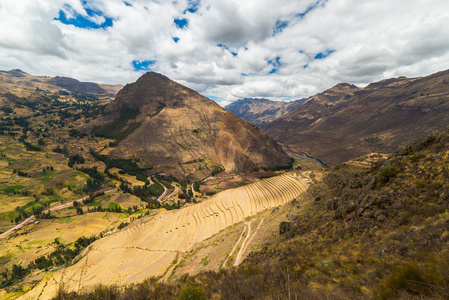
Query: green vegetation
[114, 207]
[193, 292]
[63, 255]
[116, 129]
[128, 166]
[205, 261]
[289, 166]
[194, 161]
[196, 186]
[217, 169]
[372, 140]
[11, 189]
[160, 107]
[387, 173]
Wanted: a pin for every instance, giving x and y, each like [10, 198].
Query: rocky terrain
[178, 131]
[355, 121]
[260, 111]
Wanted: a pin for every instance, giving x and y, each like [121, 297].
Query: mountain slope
[167, 124]
[26, 81]
[149, 246]
[77, 86]
[260, 111]
[381, 116]
[378, 232]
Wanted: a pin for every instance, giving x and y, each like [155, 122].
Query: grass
[38, 242]
[11, 189]
[46, 177]
[4, 259]
[66, 220]
[205, 260]
[113, 206]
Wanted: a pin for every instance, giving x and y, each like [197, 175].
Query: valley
[224, 150]
[262, 111]
[63, 188]
[164, 191]
[346, 121]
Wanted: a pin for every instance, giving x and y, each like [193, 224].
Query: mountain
[77, 86]
[345, 121]
[260, 111]
[181, 132]
[24, 81]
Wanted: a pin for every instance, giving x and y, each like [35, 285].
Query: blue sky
[228, 49]
[94, 19]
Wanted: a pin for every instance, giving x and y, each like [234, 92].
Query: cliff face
[167, 124]
[380, 117]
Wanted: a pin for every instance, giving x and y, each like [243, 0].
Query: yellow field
[150, 245]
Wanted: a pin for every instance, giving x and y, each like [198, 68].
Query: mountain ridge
[382, 116]
[260, 111]
[174, 125]
[60, 83]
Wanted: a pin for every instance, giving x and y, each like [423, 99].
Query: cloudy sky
[228, 49]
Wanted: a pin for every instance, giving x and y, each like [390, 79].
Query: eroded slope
[148, 247]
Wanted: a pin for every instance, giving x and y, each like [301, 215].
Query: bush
[428, 278]
[386, 174]
[193, 293]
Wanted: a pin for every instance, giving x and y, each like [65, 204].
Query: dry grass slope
[149, 246]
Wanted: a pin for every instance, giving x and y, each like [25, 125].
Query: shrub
[193, 293]
[386, 174]
[419, 279]
[420, 184]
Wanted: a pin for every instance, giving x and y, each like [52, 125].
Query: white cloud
[364, 41]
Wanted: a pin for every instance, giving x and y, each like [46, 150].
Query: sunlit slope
[149, 246]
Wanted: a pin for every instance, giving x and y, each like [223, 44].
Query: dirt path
[20, 225]
[245, 244]
[163, 194]
[193, 192]
[169, 196]
[235, 246]
[31, 219]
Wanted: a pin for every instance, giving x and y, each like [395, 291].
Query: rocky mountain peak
[167, 124]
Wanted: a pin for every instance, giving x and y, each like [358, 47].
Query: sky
[228, 49]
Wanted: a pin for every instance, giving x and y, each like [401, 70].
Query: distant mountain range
[181, 132]
[346, 121]
[24, 79]
[260, 111]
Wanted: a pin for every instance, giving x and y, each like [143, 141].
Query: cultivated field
[149, 246]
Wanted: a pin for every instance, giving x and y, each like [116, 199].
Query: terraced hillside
[149, 246]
